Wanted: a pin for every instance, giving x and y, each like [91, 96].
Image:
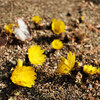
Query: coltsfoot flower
[35, 55]
[57, 44]
[23, 75]
[89, 69]
[66, 65]
[9, 28]
[36, 19]
[58, 26]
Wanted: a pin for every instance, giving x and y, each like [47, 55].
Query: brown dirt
[86, 47]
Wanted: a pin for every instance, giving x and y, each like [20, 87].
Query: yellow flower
[35, 55]
[57, 44]
[36, 19]
[66, 65]
[58, 26]
[23, 75]
[9, 28]
[98, 71]
[89, 69]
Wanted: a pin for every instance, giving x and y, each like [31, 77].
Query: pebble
[18, 47]
[6, 54]
[2, 85]
[13, 62]
[42, 33]
[90, 87]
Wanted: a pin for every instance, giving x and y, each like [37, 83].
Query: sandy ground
[48, 85]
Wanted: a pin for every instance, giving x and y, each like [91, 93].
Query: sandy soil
[85, 44]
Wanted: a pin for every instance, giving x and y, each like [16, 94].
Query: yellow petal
[19, 63]
[9, 28]
[36, 19]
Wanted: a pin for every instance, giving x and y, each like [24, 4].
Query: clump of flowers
[89, 69]
[66, 65]
[35, 55]
[36, 19]
[57, 44]
[58, 26]
[9, 28]
[23, 75]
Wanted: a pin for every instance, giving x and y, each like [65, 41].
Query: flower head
[89, 69]
[57, 44]
[35, 55]
[58, 26]
[9, 28]
[23, 75]
[66, 65]
[36, 19]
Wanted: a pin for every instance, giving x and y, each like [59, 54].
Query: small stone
[17, 93]
[90, 87]
[13, 62]
[78, 77]
[18, 47]
[2, 85]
